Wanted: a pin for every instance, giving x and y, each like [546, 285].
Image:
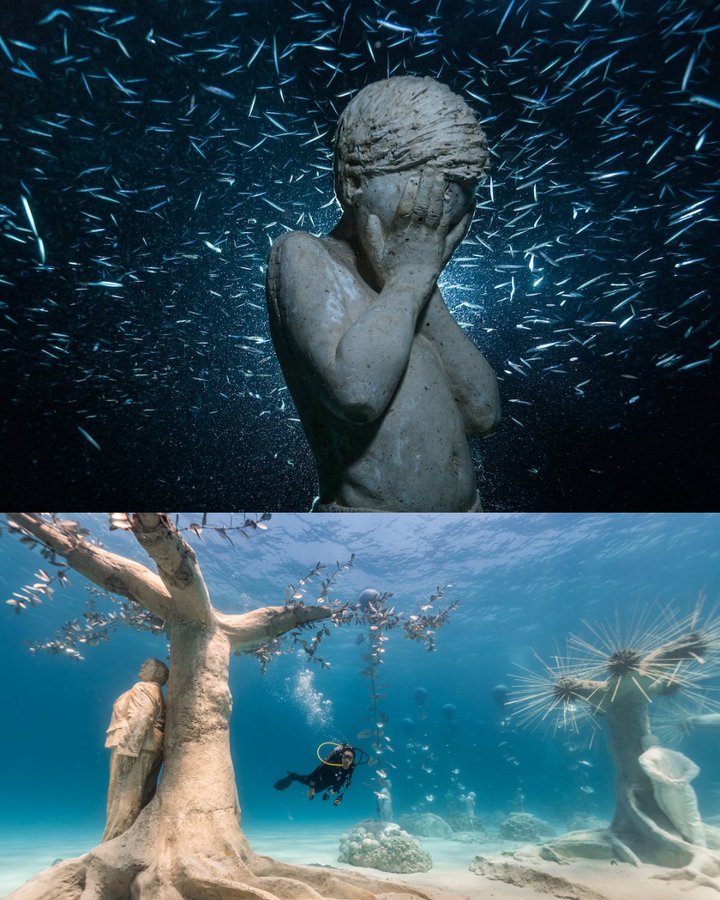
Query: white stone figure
[671, 773]
[135, 738]
[470, 798]
[384, 796]
[386, 383]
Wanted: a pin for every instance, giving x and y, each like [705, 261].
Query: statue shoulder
[294, 246]
[148, 690]
[293, 255]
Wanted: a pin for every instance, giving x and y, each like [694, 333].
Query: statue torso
[415, 457]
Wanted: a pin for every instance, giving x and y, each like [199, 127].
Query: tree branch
[250, 629]
[177, 566]
[693, 646]
[110, 571]
[572, 688]
[568, 689]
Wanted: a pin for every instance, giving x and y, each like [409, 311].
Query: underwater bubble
[318, 711]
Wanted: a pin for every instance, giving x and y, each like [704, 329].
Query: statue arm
[471, 377]
[354, 365]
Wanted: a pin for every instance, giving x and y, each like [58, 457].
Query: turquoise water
[524, 582]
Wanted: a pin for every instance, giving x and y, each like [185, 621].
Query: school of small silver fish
[152, 154]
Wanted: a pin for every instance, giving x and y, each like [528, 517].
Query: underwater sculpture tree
[188, 841]
[615, 680]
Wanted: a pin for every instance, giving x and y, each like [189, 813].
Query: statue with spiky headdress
[614, 680]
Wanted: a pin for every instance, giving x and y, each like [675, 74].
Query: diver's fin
[284, 782]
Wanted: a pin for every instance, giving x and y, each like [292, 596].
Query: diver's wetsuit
[323, 778]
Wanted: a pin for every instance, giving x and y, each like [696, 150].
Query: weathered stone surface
[586, 822]
[384, 846]
[522, 826]
[135, 740]
[525, 876]
[426, 825]
[387, 385]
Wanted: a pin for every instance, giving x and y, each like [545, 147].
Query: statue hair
[161, 670]
[405, 123]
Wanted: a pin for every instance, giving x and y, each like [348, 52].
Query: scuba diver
[333, 775]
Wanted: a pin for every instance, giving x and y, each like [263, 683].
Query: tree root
[600, 845]
[697, 865]
[701, 868]
[525, 876]
[62, 881]
[95, 877]
[624, 853]
[693, 874]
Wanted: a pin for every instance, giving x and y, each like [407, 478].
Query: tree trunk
[640, 832]
[188, 841]
[628, 725]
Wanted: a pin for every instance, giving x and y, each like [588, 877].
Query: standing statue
[135, 738]
[470, 798]
[384, 798]
[386, 383]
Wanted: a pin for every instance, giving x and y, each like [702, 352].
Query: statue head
[406, 124]
[649, 740]
[153, 670]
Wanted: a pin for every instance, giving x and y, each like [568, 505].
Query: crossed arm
[471, 377]
[355, 362]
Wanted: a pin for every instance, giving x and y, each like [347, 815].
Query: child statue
[135, 739]
[386, 383]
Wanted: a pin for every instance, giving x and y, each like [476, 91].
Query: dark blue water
[523, 582]
[161, 147]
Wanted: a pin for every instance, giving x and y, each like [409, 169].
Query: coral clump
[522, 826]
[384, 846]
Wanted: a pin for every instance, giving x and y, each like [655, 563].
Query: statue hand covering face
[387, 385]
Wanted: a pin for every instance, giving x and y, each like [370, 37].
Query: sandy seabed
[24, 853]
